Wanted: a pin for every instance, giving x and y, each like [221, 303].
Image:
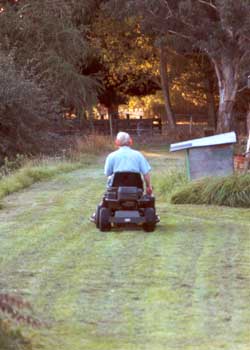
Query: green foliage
[231, 191]
[128, 58]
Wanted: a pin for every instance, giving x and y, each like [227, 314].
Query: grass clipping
[231, 191]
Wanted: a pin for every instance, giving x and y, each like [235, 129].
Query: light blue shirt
[126, 159]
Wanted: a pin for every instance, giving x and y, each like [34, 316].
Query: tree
[25, 108]
[127, 59]
[51, 38]
[218, 28]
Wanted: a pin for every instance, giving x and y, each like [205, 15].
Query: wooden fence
[132, 126]
[186, 125]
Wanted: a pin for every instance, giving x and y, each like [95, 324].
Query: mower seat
[127, 179]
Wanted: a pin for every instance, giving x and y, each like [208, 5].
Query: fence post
[191, 125]
[110, 125]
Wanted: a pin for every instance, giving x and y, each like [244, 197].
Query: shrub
[232, 191]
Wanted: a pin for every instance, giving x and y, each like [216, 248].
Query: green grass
[34, 171]
[183, 287]
[232, 191]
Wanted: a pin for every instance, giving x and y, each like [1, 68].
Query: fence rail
[188, 125]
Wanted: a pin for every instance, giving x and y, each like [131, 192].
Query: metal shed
[208, 156]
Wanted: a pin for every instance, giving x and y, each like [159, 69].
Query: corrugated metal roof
[221, 139]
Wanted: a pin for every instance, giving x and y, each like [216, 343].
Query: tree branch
[179, 34]
[208, 4]
[166, 4]
[243, 88]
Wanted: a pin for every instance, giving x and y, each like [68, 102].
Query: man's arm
[108, 168]
[147, 180]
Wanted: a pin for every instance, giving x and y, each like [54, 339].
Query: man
[125, 159]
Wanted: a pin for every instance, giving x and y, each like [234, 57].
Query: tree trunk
[247, 162]
[210, 104]
[227, 75]
[113, 114]
[113, 109]
[170, 119]
[81, 113]
[91, 121]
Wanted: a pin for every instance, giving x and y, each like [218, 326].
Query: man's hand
[149, 190]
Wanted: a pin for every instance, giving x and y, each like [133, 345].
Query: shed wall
[211, 161]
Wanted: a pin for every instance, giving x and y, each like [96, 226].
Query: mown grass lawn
[186, 286]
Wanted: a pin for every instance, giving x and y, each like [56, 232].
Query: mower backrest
[127, 179]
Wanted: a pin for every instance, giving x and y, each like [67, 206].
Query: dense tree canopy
[218, 28]
[127, 58]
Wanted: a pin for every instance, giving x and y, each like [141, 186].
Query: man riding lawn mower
[124, 201]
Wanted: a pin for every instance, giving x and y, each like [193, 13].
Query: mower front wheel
[103, 220]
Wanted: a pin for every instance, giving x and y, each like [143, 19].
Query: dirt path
[185, 286]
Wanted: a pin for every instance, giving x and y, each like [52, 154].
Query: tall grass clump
[165, 183]
[231, 191]
[22, 172]
[91, 145]
[10, 165]
[34, 171]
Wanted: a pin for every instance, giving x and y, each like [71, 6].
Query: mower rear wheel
[97, 215]
[150, 222]
[104, 216]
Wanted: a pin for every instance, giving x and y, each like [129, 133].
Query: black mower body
[126, 204]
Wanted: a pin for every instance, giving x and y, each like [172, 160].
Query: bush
[231, 191]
